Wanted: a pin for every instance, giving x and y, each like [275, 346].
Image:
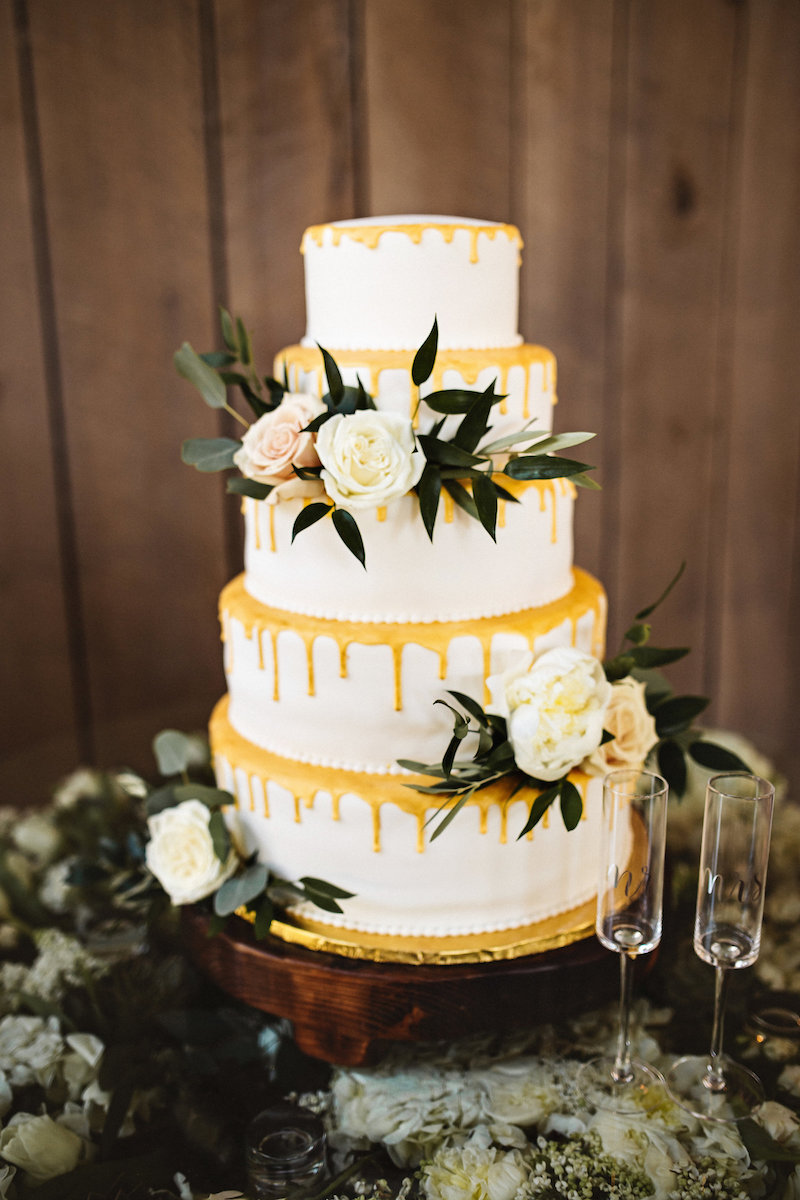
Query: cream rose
[275, 443]
[369, 458]
[181, 853]
[631, 724]
[554, 708]
[42, 1147]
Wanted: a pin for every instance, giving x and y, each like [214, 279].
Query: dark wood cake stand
[343, 1010]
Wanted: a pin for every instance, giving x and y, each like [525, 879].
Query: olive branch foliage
[461, 464]
[457, 780]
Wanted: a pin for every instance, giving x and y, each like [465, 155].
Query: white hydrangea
[474, 1169]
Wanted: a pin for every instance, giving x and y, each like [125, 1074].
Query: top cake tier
[377, 283]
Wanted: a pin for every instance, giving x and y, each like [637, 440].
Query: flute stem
[622, 1072]
[714, 1078]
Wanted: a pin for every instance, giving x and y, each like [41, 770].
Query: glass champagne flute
[628, 921]
[727, 934]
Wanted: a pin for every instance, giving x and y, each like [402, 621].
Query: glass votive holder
[284, 1152]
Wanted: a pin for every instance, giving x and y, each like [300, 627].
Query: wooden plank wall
[160, 158]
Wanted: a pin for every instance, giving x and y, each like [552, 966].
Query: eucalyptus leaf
[425, 357]
[174, 751]
[190, 366]
[240, 485]
[345, 525]
[160, 799]
[241, 890]
[210, 454]
[309, 516]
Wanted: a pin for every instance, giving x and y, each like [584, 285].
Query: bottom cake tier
[370, 834]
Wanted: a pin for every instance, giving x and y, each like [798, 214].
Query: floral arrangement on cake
[566, 711]
[344, 455]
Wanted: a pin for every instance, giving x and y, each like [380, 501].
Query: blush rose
[276, 443]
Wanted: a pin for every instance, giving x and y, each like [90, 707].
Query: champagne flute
[628, 921]
[727, 934]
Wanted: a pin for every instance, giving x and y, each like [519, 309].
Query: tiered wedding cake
[333, 667]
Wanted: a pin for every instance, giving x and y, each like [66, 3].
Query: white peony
[181, 853]
[276, 443]
[369, 458]
[521, 1092]
[475, 1170]
[555, 708]
[41, 1147]
[633, 727]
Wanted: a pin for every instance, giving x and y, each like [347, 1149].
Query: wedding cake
[351, 621]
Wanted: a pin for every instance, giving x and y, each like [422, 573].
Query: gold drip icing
[271, 508]
[468, 364]
[380, 513]
[370, 235]
[585, 596]
[305, 782]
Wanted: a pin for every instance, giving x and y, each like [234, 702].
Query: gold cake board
[553, 933]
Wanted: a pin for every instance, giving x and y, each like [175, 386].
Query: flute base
[598, 1087]
[687, 1084]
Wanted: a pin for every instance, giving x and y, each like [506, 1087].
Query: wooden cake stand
[345, 1006]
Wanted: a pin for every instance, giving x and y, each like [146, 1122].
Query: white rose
[41, 1147]
[475, 1170]
[181, 853]
[633, 727]
[554, 709]
[369, 458]
[275, 443]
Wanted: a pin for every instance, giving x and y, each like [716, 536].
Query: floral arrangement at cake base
[124, 1074]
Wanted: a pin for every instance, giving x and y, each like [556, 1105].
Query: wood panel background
[163, 156]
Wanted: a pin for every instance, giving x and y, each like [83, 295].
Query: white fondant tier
[461, 575]
[525, 375]
[361, 695]
[377, 283]
[367, 834]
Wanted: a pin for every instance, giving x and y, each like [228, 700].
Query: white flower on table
[181, 853]
[633, 727]
[474, 1170]
[369, 458]
[276, 443]
[554, 706]
[42, 1147]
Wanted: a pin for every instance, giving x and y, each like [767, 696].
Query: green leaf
[762, 1147]
[645, 612]
[542, 466]
[160, 799]
[426, 356]
[242, 486]
[586, 481]
[210, 454]
[462, 497]
[648, 657]
[333, 376]
[309, 516]
[447, 454]
[210, 796]
[539, 808]
[190, 366]
[474, 425]
[716, 758]
[638, 634]
[265, 911]
[320, 898]
[450, 401]
[241, 889]
[228, 334]
[571, 804]
[672, 765]
[541, 442]
[220, 836]
[174, 751]
[485, 497]
[473, 708]
[451, 814]
[345, 525]
[429, 490]
[218, 358]
[244, 344]
[326, 889]
[460, 725]
[677, 713]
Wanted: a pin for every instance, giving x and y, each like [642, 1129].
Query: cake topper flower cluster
[342, 455]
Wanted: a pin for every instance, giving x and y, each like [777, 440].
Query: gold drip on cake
[370, 235]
